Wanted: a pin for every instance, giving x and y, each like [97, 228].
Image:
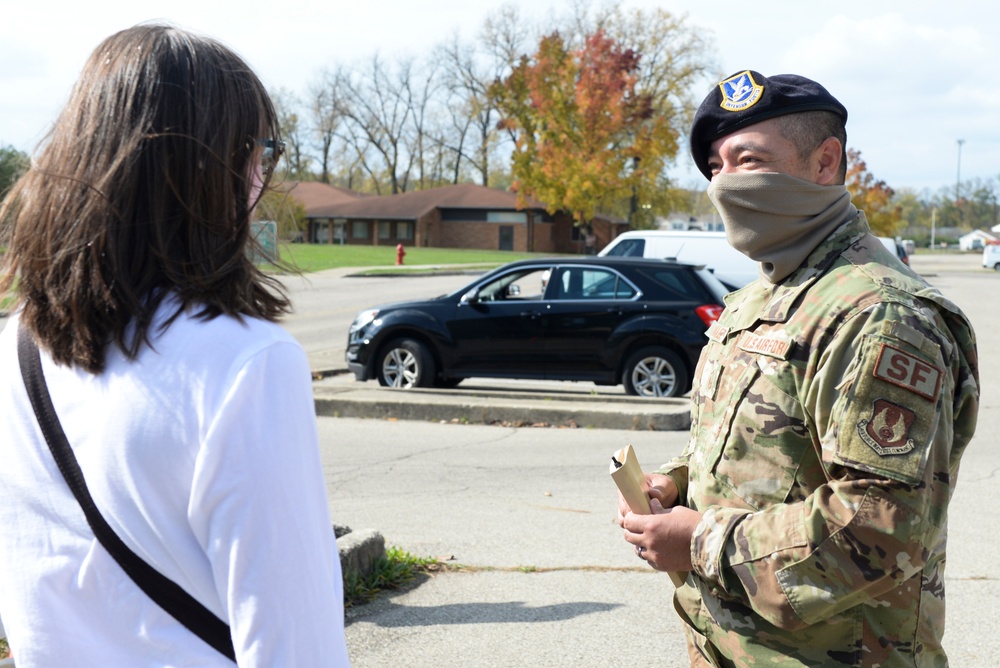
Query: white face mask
[776, 219]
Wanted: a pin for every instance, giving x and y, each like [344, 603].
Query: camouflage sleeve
[677, 470]
[882, 407]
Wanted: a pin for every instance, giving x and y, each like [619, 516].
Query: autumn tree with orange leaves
[872, 196]
[584, 135]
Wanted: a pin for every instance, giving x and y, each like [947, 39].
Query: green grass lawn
[317, 257]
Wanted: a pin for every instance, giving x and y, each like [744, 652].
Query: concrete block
[360, 551]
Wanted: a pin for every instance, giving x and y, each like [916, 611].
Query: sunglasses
[271, 154]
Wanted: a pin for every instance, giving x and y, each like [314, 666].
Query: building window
[404, 231]
[464, 215]
[506, 217]
[320, 232]
[359, 229]
[384, 229]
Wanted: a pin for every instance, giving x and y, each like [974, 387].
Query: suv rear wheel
[654, 371]
[405, 363]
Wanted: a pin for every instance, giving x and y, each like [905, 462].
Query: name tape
[771, 346]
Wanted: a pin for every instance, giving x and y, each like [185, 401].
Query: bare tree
[377, 108]
[286, 104]
[326, 110]
[504, 36]
[470, 70]
[423, 87]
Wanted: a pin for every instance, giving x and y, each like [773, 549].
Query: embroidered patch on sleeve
[908, 371]
[887, 430]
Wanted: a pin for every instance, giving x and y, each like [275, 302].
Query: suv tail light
[709, 313]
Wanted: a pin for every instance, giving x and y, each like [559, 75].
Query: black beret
[749, 97]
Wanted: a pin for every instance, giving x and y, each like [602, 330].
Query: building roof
[413, 205]
[315, 195]
[982, 234]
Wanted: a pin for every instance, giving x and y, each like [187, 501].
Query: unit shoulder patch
[887, 430]
[740, 92]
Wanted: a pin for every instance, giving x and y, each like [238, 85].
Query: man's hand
[661, 488]
[664, 537]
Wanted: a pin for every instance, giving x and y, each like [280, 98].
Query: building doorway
[506, 237]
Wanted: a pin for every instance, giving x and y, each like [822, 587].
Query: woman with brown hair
[188, 410]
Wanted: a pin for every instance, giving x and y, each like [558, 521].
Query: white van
[991, 256]
[896, 247]
[711, 249]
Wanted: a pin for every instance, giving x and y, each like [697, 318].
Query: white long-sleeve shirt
[202, 454]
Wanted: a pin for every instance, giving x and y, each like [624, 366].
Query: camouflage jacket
[829, 414]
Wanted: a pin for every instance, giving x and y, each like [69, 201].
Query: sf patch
[887, 430]
[908, 371]
[740, 92]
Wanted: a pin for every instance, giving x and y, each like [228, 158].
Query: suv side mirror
[471, 297]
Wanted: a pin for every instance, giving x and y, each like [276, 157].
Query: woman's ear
[826, 161]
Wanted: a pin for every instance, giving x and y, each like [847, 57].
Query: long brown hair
[141, 190]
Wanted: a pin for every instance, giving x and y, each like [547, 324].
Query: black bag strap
[166, 593]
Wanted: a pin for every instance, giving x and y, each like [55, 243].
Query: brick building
[456, 216]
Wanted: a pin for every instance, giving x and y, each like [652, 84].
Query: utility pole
[958, 181]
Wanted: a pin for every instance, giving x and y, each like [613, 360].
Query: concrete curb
[359, 552]
[498, 408]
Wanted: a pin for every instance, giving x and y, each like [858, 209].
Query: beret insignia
[740, 92]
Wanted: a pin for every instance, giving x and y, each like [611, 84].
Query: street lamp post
[933, 224]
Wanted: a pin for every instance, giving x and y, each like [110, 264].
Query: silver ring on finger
[638, 552]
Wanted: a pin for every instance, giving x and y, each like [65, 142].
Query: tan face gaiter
[776, 219]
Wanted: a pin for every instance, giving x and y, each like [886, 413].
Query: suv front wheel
[405, 363]
[654, 371]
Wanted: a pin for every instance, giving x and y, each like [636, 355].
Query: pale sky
[915, 75]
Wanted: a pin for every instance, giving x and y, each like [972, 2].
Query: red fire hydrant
[399, 253]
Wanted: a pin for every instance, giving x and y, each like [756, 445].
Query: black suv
[639, 322]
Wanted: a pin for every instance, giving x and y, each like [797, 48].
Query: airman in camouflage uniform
[830, 411]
